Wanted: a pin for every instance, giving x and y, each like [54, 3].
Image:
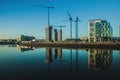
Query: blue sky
[20, 17]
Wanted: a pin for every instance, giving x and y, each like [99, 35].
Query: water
[23, 63]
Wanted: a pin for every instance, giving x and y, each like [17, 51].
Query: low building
[25, 38]
[72, 40]
[84, 39]
[115, 39]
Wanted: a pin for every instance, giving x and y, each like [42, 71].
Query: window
[91, 34]
[91, 29]
[91, 24]
[98, 24]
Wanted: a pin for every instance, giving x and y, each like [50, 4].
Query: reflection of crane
[76, 27]
[70, 19]
[49, 7]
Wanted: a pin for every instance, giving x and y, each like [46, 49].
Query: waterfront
[28, 63]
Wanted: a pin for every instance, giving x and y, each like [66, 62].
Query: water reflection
[24, 48]
[77, 66]
[99, 59]
[57, 54]
[66, 64]
[48, 55]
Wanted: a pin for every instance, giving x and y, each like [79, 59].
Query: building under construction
[60, 35]
[55, 35]
[48, 33]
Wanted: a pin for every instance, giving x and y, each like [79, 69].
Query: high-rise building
[99, 31]
[55, 35]
[60, 35]
[48, 33]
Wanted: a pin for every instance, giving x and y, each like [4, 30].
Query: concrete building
[60, 35]
[55, 35]
[99, 31]
[99, 59]
[48, 33]
[25, 38]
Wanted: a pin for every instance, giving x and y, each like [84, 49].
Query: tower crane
[76, 27]
[59, 26]
[48, 7]
[70, 19]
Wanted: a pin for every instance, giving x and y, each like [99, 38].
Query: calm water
[24, 63]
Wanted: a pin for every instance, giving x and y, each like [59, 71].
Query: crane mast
[70, 19]
[48, 7]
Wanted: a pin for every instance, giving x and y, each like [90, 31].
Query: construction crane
[58, 26]
[70, 19]
[76, 27]
[48, 7]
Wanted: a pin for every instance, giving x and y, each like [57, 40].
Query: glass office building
[99, 31]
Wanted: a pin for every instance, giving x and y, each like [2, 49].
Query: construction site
[99, 34]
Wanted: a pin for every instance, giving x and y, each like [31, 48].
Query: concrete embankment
[74, 45]
[7, 43]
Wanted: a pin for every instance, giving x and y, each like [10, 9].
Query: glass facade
[99, 31]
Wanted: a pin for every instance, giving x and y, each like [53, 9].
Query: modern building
[48, 33]
[55, 35]
[60, 35]
[99, 59]
[99, 31]
[25, 38]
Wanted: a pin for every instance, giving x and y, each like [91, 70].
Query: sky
[20, 17]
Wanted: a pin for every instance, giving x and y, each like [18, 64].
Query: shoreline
[109, 45]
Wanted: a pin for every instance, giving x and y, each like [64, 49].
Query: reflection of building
[25, 38]
[48, 33]
[48, 55]
[55, 53]
[60, 53]
[99, 30]
[99, 59]
[24, 48]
